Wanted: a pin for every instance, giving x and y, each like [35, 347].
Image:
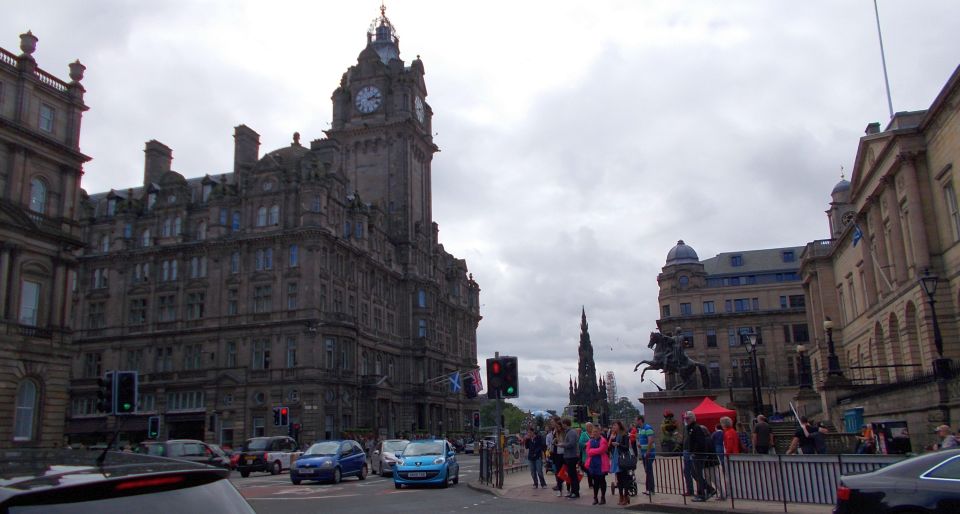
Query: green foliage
[624, 411]
[513, 416]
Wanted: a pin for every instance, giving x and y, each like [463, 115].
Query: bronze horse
[668, 356]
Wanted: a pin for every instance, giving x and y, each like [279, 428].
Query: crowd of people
[615, 452]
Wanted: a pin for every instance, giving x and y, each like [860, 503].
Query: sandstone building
[310, 277]
[895, 222]
[40, 169]
[714, 303]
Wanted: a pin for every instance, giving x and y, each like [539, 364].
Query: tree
[513, 416]
[624, 411]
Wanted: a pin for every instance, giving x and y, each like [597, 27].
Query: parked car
[427, 462]
[186, 449]
[468, 446]
[272, 454]
[330, 461]
[385, 455]
[71, 481]
[928, 484]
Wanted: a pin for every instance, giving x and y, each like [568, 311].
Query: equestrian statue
[669, 357]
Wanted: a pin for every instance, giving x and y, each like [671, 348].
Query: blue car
[329, 461]
[426, 462]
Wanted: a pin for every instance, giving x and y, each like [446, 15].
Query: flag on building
[477, 381]
[455, 382]
[857, 234]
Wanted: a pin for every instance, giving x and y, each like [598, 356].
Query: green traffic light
[510, 390]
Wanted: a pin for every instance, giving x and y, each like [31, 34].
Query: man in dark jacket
[695, 443]
[535, 445]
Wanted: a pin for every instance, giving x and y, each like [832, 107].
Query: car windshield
[431, 448]
[394, 446]
[256, 444]
[324, 448]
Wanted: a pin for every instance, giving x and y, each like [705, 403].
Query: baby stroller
[631, 484]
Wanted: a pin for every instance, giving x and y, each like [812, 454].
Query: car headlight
[399, 462]
[328, 464]
[438, 460]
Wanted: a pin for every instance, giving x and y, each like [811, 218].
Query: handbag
[563, 475]
[627, 461]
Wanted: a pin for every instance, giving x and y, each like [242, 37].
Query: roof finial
[841, 173]
[383, 9]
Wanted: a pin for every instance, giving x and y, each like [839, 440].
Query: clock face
[368, 99]
[418, 107]
[847, 218]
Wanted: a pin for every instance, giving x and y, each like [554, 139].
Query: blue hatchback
[427, 462]
[330, 461]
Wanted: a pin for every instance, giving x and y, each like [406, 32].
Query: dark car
[928, 484]
[272, 454]
[187, 449]
[330, 461]
[71, 481]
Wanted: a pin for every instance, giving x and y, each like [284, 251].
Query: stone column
[58, 295]
[879, 245]
[918, 231]
[5, 251]
[870, 278]
[896, 234]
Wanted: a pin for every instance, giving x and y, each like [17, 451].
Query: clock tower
[382, 122]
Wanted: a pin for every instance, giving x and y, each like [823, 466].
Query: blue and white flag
[455, 382]
[857, 234]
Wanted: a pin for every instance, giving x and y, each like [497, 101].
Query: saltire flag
[455, 382]
[477, 381]
[857, 234]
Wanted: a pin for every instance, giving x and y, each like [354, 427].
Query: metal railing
[772, 478]
[495, 464]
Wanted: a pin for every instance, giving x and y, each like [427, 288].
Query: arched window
[38, 196]
[274, 215]
[365, 363]
[26, 411]
[165, 229]
[378, 367]
[261, 216]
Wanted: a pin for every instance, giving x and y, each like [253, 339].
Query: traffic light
[494, 377]
[510, 386]
[284, 416]
[476, 419]
[276, 416]
[153, 427]
[125, 399]
[105, 393]
[502, 379]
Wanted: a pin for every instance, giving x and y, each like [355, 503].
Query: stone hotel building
[310, 277]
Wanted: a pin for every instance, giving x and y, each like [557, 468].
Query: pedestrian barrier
[494, 464]
[779, 478]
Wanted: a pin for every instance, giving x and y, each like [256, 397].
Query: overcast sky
[579, 140]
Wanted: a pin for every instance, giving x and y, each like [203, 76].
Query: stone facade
[714, 303]
[40, 169]
[311, 277]
[895, 220]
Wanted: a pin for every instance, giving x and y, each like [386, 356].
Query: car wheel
[456, 479]
[276, 468]
[295, 481]
[446, 481]
[336, 476]
[244, 473]
[395, 484]
[363, 472]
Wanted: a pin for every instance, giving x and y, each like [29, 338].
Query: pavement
[518, 485]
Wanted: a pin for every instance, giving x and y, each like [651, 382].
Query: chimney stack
[246, 147]
[157, 162]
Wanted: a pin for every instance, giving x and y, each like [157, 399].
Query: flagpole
[883, 59]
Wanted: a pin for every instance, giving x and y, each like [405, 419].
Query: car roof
[912, 467]
[34, 471]
[175, 441]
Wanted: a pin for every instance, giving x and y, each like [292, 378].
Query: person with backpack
[695, 441]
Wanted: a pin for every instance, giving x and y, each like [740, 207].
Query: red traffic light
[495, 367]
[283, 411]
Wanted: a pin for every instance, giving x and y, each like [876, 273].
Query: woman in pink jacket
[598, 464]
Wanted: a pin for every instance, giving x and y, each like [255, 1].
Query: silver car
[385, 455]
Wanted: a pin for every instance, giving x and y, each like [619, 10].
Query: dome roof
[841, 187]
[284, 157]
[682, 254]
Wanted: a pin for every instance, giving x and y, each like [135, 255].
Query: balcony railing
[818, 248]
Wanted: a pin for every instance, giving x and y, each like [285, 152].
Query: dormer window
[207, 189]
[736, 260]
[111, 207]
[151, 200]
[788, 256]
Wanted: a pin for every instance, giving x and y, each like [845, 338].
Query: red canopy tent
[709, 413]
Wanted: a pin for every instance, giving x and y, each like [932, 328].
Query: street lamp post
[755, 375]
[941, 366]
[833, 362]
[730, 388]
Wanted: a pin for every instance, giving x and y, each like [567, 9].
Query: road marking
[306, 498]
